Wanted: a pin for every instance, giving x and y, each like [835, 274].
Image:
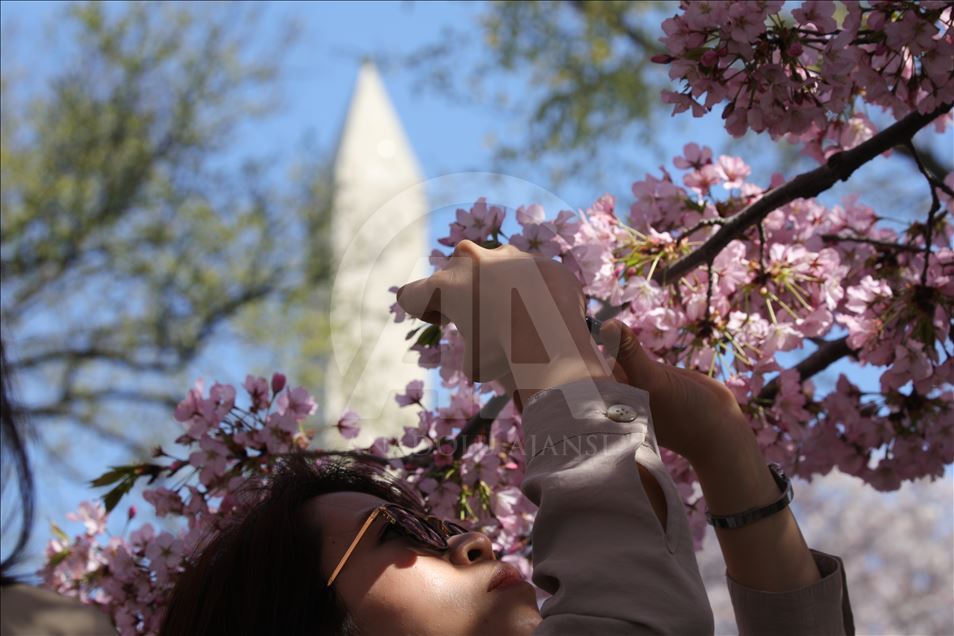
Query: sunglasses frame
[397, 516]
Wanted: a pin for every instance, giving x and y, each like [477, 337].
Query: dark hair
[260, 574]
[13, 443]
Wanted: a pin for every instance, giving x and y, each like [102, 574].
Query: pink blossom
[257, 388]
[530, 214]
[910, 365]
[395, 308]
[566, 225]
[480, 463]
[537, 238]
[212, 460]
[93, 515]
[732, 170]
[480, 222]
[442, 497]
[297, 402]
[703, 179]
[817, 13]
[693, 157]
[165, 552]
[348, 424]
[286, 422]
[413, 393]
[278, 383]
[165, 501]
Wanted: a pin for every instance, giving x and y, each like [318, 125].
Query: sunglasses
[428, 532]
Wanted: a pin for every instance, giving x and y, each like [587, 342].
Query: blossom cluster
[804, 76]
[808, 276]
[131, 576]
[808, 271]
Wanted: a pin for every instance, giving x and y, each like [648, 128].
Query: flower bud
[661, 58]
[278, 382]
[131, 513]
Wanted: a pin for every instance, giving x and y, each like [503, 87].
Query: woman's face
[389, 588]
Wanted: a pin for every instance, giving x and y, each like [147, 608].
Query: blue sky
[318, 76]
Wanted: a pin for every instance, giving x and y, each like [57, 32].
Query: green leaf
[58, 558]
[430, 336]
[114, 474]
[111, 499]
[58, 532]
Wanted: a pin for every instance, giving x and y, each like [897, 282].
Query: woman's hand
[699, 418]
[521, 316]
[693, 413]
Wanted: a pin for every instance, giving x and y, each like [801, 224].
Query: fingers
[422, 299]
[618, 374]
[621, 342]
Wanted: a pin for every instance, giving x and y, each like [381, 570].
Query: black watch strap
[594, 326]
[754, 514]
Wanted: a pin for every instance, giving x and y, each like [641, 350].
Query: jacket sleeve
[819, 609]
[598, 547]
[601, 551]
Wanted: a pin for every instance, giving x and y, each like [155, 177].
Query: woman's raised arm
[776, 582]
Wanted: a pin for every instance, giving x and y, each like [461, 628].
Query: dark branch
[900, 247]
[935, 206]
[61, 410]
[819, 360]
[74, 356]
[839, 167]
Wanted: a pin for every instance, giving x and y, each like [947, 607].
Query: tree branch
[645, 43]
[89, 353]
[826, 355]
[839, 167]
[930, 161]
[835, 238]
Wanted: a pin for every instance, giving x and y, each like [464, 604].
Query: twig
[930, 161]
[870, 241]
[826, 355]
[839, 167]
[935, 206]
[701, 224]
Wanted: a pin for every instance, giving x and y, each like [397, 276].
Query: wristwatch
[754, 514]
[594, 326]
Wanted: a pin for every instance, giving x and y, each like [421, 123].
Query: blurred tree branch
[130, 233]
[591, 79]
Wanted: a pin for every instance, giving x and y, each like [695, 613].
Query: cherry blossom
[810, 275]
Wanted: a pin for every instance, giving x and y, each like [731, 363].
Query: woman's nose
[470, 547]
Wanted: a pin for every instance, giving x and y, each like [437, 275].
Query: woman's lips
[505, 576]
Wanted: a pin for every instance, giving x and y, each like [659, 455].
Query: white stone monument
[379, 239]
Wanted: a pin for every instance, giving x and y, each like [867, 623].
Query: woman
[341, 550]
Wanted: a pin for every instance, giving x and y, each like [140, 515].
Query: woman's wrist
[733, 472]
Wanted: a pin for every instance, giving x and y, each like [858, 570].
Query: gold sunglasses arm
[353, 545]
